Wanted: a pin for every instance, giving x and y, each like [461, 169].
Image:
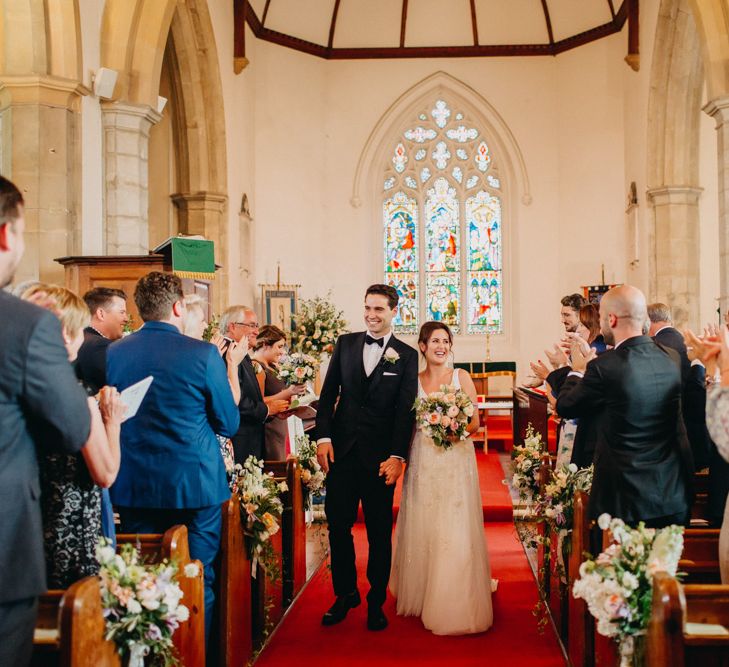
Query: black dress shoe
[376, 619]
[338, 611]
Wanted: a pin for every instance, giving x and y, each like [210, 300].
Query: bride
[441, 569]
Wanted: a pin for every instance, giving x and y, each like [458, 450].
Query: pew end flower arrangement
[525, 461]
[261, 509]
[141, 603]
[312, 475]
[444, 415]
[316, 327]
[618, 585]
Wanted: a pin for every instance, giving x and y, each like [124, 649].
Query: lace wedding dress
[440, 568]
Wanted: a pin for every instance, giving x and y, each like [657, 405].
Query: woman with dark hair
[270, 347]
[441, 569]
[589, 327]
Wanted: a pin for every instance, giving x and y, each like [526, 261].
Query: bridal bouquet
[525, 461]
[141, 602]
[318, 324]
[312, 475]
[618, 585]
[261, 509]
[444, 415]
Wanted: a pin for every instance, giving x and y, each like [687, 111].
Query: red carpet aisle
[512, 640]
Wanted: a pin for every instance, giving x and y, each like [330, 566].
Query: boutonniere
[390, 355]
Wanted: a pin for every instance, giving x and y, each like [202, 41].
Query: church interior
[483, 157]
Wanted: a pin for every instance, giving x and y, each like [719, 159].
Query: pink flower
[433, 418]
[453, 411]
[445, 421]
[300, 372]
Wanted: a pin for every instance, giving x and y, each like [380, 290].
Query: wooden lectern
[122, 272]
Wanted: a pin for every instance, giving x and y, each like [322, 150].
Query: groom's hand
[391, 469]
[325, 454]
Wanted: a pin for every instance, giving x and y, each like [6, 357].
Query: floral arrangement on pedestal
[444, 415]
[261, 510]
[525, 461]
[316, 327]
[312, 475]
[618, 585]
[141, 603]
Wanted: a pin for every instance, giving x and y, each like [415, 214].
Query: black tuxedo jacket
[251, 433]
[373, 414]
[42, 406]
[643, 465]
[91, 360]
[671, 337]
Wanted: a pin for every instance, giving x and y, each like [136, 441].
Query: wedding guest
[663, 332]
[570, 311]
[108, 308]
[643, 465]
[270, 347]
[195, 326]
[70, 483]
[41, 404]
[238, 322]
[171, 469]
[589, 327]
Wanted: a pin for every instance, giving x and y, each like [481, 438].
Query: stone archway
[674, 105]
[134, 37]
[40, 101]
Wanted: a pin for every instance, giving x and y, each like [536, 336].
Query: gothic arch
[712, 21]
[502, 139]
[674, 109]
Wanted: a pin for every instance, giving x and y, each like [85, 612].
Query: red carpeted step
[495, 497]
[512, 640]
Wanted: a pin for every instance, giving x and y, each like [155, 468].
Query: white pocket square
[386, 373]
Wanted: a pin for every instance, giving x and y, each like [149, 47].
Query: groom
[363, 441]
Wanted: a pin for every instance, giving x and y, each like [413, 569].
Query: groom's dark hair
[384, 290]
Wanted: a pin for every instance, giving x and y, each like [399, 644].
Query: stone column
[676, 215]
[718, 109]
[40, 119]
[203, 213]
[126, 203]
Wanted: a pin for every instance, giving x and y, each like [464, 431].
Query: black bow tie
[376, 341]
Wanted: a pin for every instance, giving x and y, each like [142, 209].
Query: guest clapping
[236, 323]
[270, 347]
[70, 493]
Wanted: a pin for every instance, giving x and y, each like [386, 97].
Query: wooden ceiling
[325, 18]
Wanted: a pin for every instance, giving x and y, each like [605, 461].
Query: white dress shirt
[372, 353]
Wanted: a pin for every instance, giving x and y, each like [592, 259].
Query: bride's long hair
[427, 330]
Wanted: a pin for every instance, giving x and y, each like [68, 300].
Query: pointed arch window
[442, 219]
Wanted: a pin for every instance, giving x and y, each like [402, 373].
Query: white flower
[105, 554]
[283, 487]
[630, 581]
[191, 570]
[183, 613]
[468, 410]
[133, 606]
[603, 521]
[391, 355]
[572, 467]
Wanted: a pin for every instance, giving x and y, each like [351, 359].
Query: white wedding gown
[440, 568]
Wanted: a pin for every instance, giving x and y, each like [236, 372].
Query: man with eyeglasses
[236, 323]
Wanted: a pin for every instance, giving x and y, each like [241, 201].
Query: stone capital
[686, 195]
[200, 201]
[41, 89]
[718, 109]
[129, 116]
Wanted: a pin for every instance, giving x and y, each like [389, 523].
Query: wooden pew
[700, 557]
[700, 508]
[580, 637]
[189, 638]
[670, 642]
[530, 407]
[70, 629]
[293, 526]
[233, 591]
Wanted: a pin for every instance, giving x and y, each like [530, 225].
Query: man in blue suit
[172, 471]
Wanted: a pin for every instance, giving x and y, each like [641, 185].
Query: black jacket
[43, 406]
[251, 434]
[643, 465]
[91, 360]
[373, 414]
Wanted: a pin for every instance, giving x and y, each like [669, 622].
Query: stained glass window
[442, 214]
